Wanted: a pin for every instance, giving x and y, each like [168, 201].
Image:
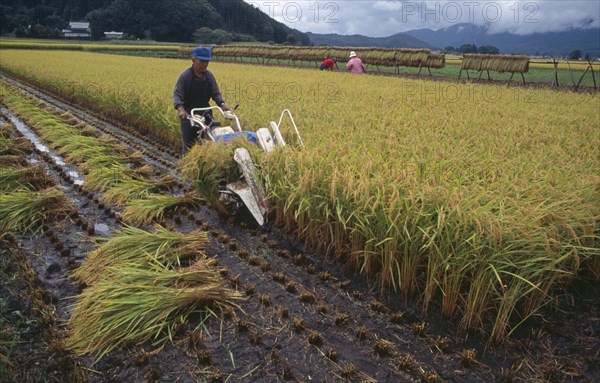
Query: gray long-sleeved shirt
[180, 93]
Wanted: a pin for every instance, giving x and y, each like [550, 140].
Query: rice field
[477, 200]
[141, 284]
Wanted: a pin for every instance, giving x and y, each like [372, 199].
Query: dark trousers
[189, 133]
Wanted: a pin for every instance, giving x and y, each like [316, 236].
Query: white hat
[352, 54]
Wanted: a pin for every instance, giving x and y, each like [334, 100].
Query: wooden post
[589, 68]
[570, 72]
[583, 75]
[581, 78]
[555, 62]
[510, 79]
[592, 70]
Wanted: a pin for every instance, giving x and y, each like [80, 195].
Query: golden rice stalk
[378, 56]
[435, 60]
[210, 165]
[207, 165]
[30, 177]
[103, 178]
[6, 130]
[497, 63]
[12, 161]
[131, 189]
[94, 161]
[411, 57]
[136, 246]
[24, 210]
[141, 303]
[14, 146]
[143, 211]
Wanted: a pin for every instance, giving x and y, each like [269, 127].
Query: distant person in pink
[355, 64]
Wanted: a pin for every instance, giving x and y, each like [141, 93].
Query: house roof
[79, 25]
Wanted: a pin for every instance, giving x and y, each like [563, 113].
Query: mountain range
[548, 43]
[399, 40]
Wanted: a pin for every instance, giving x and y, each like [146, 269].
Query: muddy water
[69, 169]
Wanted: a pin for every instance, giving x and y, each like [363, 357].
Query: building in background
[78, 30]
[113, 35]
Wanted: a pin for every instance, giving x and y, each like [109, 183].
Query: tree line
[217, 21]
[492, 50]
[472, 48]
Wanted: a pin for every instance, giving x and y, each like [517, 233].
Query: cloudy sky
[385, 18]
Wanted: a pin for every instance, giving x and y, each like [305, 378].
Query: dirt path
[306, 318]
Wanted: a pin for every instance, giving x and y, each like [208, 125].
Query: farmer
[328, 63]
[355, 64]
[195, 86]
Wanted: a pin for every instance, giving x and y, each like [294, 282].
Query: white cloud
[548, 16]
[385, 18]
[388, 5]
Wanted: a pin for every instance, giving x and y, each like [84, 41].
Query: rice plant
[12, 161]
[6, 130]
[130, 189]
[136, 246]
[210, 166]
[94, 155]
[78, 148]
[138, 304]
[21, 211]
[154, 206]
[9, 146]
[30, 177]
[493, 207]
[103, 178]
[207, 166]
[498, 63]
[101, 161]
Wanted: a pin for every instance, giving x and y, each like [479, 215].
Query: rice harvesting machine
[248, 190]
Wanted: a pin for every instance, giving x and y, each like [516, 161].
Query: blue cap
[202, 53]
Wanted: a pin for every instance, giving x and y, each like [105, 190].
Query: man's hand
[228, 114]
[224, 107]
[182, 113]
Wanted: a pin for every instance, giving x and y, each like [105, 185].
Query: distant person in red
[355, 64]
[328, 64]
